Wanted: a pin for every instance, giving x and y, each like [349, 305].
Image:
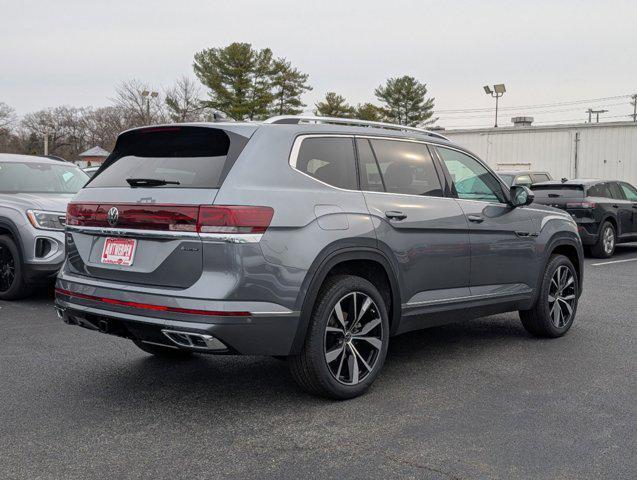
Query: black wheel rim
[562, 296]
[353, 338]
[7, 269]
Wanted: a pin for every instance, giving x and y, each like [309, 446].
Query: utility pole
[634, 104]
[590, 112]
[46, 141]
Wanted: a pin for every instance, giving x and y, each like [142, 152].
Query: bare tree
[104, 124]
[139, 102]
[7, 116]
[183, 100]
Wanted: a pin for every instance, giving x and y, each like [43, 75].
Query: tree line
[236, 82]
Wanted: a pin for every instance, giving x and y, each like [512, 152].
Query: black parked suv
[605, 210]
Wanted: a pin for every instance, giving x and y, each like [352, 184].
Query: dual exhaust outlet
[198, 341]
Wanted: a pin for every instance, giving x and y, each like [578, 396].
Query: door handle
[615, 206]
[523, 234]
[395, 215]
[475, 218]
[634, 206]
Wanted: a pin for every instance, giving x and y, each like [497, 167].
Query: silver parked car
[34, 193]
[311, 239]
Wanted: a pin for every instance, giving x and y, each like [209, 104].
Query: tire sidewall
[15, 291]
[552, 266]
[315, 341]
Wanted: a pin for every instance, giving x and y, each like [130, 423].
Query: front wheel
[12, 282]
[556, 304]
[347, 340]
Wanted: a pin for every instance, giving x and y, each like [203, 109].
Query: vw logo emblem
[113, 216]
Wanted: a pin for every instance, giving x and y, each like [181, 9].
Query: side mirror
[520, 196]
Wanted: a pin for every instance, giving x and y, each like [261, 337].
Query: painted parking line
[614, 261]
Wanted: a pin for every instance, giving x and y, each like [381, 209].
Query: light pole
[147, 96]
[497, 92]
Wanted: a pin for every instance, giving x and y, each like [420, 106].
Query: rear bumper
[588, 232]
[259, 333]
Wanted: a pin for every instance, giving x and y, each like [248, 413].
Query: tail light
[590, 205]
[235, 219]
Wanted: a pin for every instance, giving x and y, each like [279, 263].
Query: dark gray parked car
[310, 239]
[34, 192]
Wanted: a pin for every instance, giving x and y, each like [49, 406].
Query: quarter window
[471, 179]
[407, 167]
[330, 160]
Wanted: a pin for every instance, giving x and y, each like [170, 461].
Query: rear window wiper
[150, 182]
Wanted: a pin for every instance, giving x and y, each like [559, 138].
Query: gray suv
[34, 193]
[311, 239]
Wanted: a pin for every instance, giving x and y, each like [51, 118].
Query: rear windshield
[558, 191]
[183, 157]
[33, 177]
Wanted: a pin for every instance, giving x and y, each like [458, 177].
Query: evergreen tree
[334, 105]
[404, 101]
[249, 84]
[288, 85]
[369, 111]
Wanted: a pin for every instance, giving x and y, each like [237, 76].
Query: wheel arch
[335, 259]
[7, 227]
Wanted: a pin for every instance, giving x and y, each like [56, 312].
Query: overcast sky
[73, 52]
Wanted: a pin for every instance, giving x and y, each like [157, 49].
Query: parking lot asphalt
[479, 399]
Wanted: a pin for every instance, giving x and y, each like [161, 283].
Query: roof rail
[296, 119]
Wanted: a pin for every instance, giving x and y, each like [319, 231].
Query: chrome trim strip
[130, 232]
[458, 299]
[160, 344]
[231, 237]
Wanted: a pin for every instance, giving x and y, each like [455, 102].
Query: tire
[164, 352]
[357, 349]
[544, 319]
[12, 282]
[605, 245]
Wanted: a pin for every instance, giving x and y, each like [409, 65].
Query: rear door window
[330, 160]
[616, 191]
[407, 167]
[371, 179]
[185, 157]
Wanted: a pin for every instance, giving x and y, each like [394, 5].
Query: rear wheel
[556, 304]
[164, 352]
[605, 246]
[346, 342]
[12, 284]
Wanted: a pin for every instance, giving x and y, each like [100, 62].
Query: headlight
[47, 220]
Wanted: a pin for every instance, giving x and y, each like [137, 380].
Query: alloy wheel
[609, 240]
[353, 338]
[562, 296]
[7, 269]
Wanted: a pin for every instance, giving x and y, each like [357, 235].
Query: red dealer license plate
[119, 251]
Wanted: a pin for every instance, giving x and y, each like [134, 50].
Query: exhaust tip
[197, 341]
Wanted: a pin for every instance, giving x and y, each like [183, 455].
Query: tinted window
[330, 160]
[407, 167]
[471, 179]
[195, 157]
[540, 177]
[371, 179]
[558, 191]
[599, 190]
[629, 191]
[615, 191]
[30, 177]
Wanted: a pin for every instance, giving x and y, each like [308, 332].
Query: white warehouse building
[587, 150]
